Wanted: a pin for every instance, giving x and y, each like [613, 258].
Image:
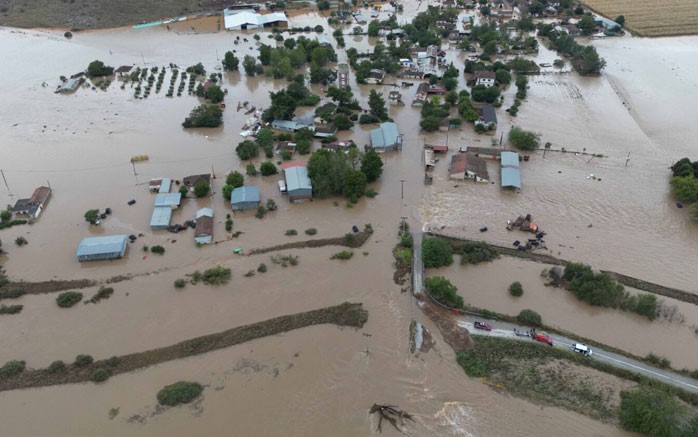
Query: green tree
[651, 411]
[587, 25]
[354, 185]
[247, 150]
[451, 97]
[201, 189]
[372, 166]
[620, 20]
[235, 178]
[430, 124]
[98, 69]
[587, 61]
[685, 188]
[6, 215]
[181, 392]
[515, 289]
[90, 216]
[373, 28]
[282, 107]
[248, 64]
[485, 11]
[230, 61]
[524, 140]
[529, 317]
[227, 190]
[267, 168]
[436, 253]
[342, 122]
[442, 290]
[503, 76]
[376, 104]
[204, 116]
[265, 137]
[215, 94]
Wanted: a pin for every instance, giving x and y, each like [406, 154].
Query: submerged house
[33, 206]
[420, 97]
[511, 175]
[244, 198]
[203, 232]
[386, 137]
[488, 117]
[468, 166]
[343, 76]
[165, 203]
[191, 181]
[290, 125]
[298, 185]
[375, 77]
[101, 248]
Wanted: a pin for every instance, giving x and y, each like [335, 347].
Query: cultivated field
[651, 18]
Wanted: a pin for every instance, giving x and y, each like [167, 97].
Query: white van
[582, 349]
[282, 186]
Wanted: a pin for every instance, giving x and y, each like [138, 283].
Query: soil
[455, 336]
[358, 240]
[346, 314]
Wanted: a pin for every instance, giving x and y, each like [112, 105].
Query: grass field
[651, 18]
[91, 14]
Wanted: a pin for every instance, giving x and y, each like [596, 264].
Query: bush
[102, 293]
[21, 241]
[442, 290]
[404, 256]
[100, 375]
[524, 140]
[271, 205]
[251, 170]
[343, 255]
[267, 168]
[261, 212]
[56, 366]
[436, 253]
[310, 231]
[262, 268]
[204, 116]
[91, 215]
[11, 309]
[371, 193]
[84, 360]
[651, 411]
[201, 189]
[529, 317]
[181, 392]
[658, 361]
[113, 361]
[291, 232]
[12, 368]
[68, 299]
[515, 289]
[477, 252]
[180, 283]
[11, 294]
[157, 249]
[216, 275]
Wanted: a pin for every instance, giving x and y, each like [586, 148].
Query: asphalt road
[504, 329]
[417, 264]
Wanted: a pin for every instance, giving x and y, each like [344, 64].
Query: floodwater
[484, 286]
[313, 381]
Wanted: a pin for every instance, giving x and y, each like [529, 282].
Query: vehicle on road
[543, 339]
[482, 325]
[582, 349]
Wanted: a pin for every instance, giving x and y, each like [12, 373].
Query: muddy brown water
[319, 380]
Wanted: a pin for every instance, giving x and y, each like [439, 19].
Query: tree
[442, 289]
[588, 62]
[201, 189]
[342, 122]
[485, 11]
[248, 64]
[524, 140]
[343, 97]
[354, 185]
[6, 215]
[91, 215]
[436, 253]
[204, 116]
[227, 190]
[230, 61]
[372, 166]
[197, 70]
[323, 5]
[215, 94]
[98, 69]
[515, 289]
[430, 124]
[267, 168]
[247, 150]
[503, 76]
[282, 107]
[451, 97]
[181, 392]
[450, 83]
[620, 20]
[652, 411]
[265, 137]
[529, 317]
[235, 179]
[373, 28]
[587, 25]
[685, 188]
[376, 104]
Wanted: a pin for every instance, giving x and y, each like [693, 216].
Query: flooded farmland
[320, 380]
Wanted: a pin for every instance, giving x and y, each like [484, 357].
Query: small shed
[298, 185]
[101, 248]
[244, 198]
[203, 233]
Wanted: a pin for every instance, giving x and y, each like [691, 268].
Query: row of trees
[684, 182]
[585, 60]
[283, 103]
[335, 172]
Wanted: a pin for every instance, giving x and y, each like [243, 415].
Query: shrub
[442, 290]
[262, 268]
[651, 411]
[180, 283]
[181, 392]
[102, 293]
[343, 255]
[249, 274]
[11, 294]
[404, 255]
[267, 168]
[11, 309]
[56, 366]
[146, 248]
[291, 232]
[251, 170]
[201, 189]
[529, 317]
[91, 215]
[113, 361]
[229, 225]
[271, 205]
[368, 228]
[216, 275]
[12, 368]
[515, 289]
[157, 249]
[371, 193]
[84, 360]
[477, 252]
[310, 231]
[658, 361]
[436, 253]
[100, 375]
[21, 241]
[68, 299]
[261, 212]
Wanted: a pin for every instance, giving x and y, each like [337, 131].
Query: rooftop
[168, 199]
[102, 245]
[190, 181]
[244, 194]
[243, 18]
[384, 136]
[297, 178]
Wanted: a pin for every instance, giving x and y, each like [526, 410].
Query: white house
[486, 78]
[241, 20]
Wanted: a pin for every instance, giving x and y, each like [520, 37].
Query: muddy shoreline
[345, 314]
[357, 240]
[628, 281]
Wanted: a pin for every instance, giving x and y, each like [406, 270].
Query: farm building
[386, 137]
[203, 233]
[482, 152]
[33, 206]
[468, 166]
[171, 200]
[511, 175]
[161, 217]
[70, 85]
[241, 20]
[244, 198]
[298, 186]
[289, 125]
[101, 248]
[420, 97]
[395, 98]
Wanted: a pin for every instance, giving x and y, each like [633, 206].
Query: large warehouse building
[101, 248]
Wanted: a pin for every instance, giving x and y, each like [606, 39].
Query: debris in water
[390, 413]
[679, 205]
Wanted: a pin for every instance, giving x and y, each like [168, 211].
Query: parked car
[481, 325]
[582, 349]
[543, 339]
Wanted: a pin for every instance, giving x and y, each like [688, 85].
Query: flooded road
[316, 381]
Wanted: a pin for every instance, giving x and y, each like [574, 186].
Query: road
[504, 329]
[417, 264]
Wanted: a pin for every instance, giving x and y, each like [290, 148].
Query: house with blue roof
[386, 137]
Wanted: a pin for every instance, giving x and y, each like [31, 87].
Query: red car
[481, 325]
[543, 339]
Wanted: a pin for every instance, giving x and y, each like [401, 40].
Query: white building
[241, 20]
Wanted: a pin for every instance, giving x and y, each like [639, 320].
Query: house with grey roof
[386, 137]
[244, 198]
[511, 175]
[33, 206]
[290, 125]
[102, 248]
[298, 185]
[488, 117]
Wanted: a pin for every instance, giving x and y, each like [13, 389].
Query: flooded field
[485, 286]
[319, 380]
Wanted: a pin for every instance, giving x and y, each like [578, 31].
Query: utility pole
[134, 168]
[627, 159]
[143, 57]
[7, 186]
[402, 188]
